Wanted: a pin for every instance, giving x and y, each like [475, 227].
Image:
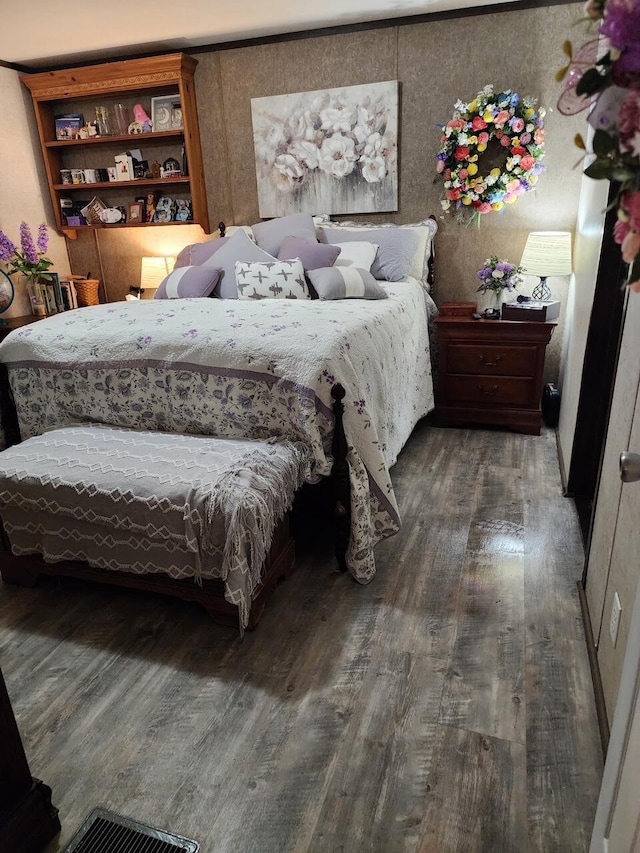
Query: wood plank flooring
[445, 707]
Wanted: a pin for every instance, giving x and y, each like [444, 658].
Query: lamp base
[541, 292]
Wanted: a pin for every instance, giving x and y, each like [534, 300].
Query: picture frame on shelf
[136, 212]
[164, 211]
[69, 126]
[166, 112]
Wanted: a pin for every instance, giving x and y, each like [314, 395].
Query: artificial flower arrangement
[613, 82]
[498, 275]
[31, 261]
[517, 126]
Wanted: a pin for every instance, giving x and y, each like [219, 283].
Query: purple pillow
[197, 253]
[188, 282]
[313, 255]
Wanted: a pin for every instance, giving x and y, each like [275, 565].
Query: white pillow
[426, 230]
[356, 254]
[271, 280]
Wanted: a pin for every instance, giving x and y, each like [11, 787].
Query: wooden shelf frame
[172, 73]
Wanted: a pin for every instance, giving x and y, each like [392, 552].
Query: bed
[243, 369]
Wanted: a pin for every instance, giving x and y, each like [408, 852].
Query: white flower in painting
[374, 169]
[373, 146]
[274, 135]
[265, 153]
[338, 118]
[289, 173]
[337, 155]
[307, 153]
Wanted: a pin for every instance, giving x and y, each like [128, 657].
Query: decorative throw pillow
[198, 253]
[396, 249]
[269, 235]
[425, 231]
[346, 283]
[356, 254]
[271, 280]
[312, 254]
[239, 247]
[188, 282]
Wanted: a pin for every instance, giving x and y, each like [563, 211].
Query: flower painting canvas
[330, 151]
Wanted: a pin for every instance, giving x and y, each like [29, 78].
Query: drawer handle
[486, 363]
[494, 389]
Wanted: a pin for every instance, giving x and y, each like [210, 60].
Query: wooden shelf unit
[55, 93]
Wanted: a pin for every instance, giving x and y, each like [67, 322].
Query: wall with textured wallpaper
[436, 62]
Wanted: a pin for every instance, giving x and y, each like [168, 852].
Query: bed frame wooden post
[340, 487]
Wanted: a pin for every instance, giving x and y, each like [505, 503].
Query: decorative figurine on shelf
[150, 205]
[155, 169]
[139, 115]
[134, 127]
[170, 169]
[183, 210]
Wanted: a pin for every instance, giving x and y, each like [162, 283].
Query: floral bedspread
[242, 369]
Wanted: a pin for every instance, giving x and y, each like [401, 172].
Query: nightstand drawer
[489, 390]
[501, 359]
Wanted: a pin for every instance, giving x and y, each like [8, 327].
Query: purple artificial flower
[28, 246]
[7, 248]
[43, 238]
[621, 25]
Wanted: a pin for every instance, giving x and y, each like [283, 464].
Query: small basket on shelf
[87, 290]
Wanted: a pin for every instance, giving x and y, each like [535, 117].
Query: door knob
[629, 467]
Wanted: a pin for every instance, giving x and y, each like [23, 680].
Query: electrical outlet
[614, 624]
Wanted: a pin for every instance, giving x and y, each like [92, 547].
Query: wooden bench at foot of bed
[25, 571]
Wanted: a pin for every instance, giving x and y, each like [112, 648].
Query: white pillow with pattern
[271, 280]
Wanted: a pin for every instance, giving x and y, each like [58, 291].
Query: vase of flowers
[496, 276]
[29, 261]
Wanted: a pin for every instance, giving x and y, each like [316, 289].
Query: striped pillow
[345, 283]
[188, 282]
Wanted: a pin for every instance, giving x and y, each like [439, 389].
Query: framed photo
[136, 212]
[68, 127]
[164, 210]
[166, 113]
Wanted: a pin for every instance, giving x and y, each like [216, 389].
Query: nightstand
[491, 372]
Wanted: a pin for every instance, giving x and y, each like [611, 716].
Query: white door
[617, 823]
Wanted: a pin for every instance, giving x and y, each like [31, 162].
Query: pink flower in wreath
[539, 135]
[457, 124]
[505, 140]
[513, 185]
[483, 138]
[631, 205]
[463, 173]
[528, 162]
[440, 166]
[525, 138]
[517, 125]
[630, 247]
[502, 118]
[462, 153]
[478, 123]
[620, 231]
[485, 207]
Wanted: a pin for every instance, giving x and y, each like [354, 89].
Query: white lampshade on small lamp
[546, 253]
[152, 272]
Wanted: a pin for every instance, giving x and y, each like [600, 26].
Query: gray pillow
[198, 253]
[345, 283]
[188, 282]
[239, 247]
[312, 254]
[396, 248]
[269, 235]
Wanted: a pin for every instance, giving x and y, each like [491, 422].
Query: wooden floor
[445, 707]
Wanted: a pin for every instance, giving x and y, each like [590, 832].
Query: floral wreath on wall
[610, 81]
[516, 125]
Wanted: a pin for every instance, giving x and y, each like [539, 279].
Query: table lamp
[152, 272]
[546, 253]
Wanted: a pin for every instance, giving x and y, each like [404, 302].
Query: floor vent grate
[107, 832]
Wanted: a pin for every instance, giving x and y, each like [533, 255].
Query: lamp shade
[153, 270]
[547, 253]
